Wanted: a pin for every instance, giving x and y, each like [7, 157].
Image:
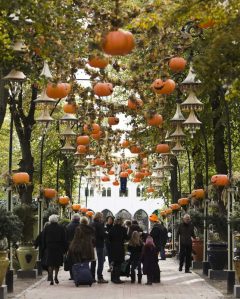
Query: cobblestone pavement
[174, 284]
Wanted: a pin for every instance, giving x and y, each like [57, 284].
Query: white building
[111, 202]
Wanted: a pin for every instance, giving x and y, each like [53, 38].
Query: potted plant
[26, 253]
[197, 218]
[10, 231]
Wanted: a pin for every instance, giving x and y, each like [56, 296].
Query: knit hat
[153, 218]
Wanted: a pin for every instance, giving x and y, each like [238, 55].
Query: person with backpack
[135, 246]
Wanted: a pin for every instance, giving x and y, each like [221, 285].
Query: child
[135, 246]
[150, 261]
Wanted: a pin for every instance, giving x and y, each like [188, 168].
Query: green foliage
[26, 216]
[10, 226]
[48, 212]
[64, 221]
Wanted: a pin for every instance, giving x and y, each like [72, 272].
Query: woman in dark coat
[117, 236]
[55, 244]
[150, 261]
[108, 227]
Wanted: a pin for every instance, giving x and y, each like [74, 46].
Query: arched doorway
[142, 217]
[124, 214]
[106, 213]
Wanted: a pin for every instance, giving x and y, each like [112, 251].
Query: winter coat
[55, 244]
[135, 252]
[186, 233]
[159, 235]
[88, 232]
[149, 259]
[99, 233]
[117, 236]
[70, 230]
[134, 227]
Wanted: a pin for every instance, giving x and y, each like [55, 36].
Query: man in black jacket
[185, 233]
[100, 235]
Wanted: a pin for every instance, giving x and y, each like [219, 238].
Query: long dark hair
[81, 248]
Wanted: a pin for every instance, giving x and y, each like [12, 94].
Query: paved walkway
[174, 285]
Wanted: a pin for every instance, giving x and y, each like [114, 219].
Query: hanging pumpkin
[177, 64]
[83, 210]
[123, 174]
[163, 213]
[91, 129]
[207, 24]
[64, 200]
[135, 104]
[198, 193]
[137, 180]
[98, 62]
[162, 148]
[111, 172]
[184, 201]
[175, 207]
[135, 149]
[49, 193]
[90, 213]
[76, 207]
[20, 178]
[118, 43]
[157, 85]
[83, 140]
[168, 87]
[58, 91]
[125, 144]
[112, 120]
[116, 183]
[156, 120]
[129, 171]
[168, 211]
[105, 178]
[220, 180]
[139, 175]
[98, 161]
[150, 189]
[97, 136]
[103, 89]
[70, 108]
[82, 149]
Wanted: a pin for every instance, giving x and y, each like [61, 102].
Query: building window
[109, 192]
[138, 192]
[104, 192]
[86, 192]
[91, 191]
[143, 190]
[123, 194]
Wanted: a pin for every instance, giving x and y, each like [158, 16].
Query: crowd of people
[91, 243]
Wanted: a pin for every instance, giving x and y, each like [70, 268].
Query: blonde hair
[84, 220]
[135, 239]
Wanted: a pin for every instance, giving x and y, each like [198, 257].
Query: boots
[115, 277]
[139, 278]
[133, 277]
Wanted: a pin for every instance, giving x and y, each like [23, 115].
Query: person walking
[99, 243]
[135, 247]
[156, 232]
[117, 236]
[185, 232]
[149, 260]
[109, 225]
[70, 231]
[55, 244]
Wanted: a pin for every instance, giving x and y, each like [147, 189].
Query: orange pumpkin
[157, 85]
[58, 91]
[76, 207]
[135, 104]
[124, 165]
[150, 189]
[163, 214]
[129, 171]
[162, 148]
[175, 207]
[99, 162]
[125, 144]
[198, 193]
[110, 172]
[123, 174]
[116, 183]
[97, 136]
[220, 180]
[168, 87]
[177, 64]
[207, 24]
[105, 178]
[139, 175]
[137, 180]
[90, 213]
[103, 89]
[168, 211]
[70, 108]
[83, 140]
[49, 193]
[82, 149]
[134, 149]
[91, 129]
[112, 120]
[64, 200]
[98, 62]
[20, 178]
[84, 210]
[118, 43]
[156, 120]
[184, 201]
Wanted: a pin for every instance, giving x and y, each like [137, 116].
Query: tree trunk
[67, 173]
[198, 166]
[174, 182]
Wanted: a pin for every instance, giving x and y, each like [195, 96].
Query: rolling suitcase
[82, 274]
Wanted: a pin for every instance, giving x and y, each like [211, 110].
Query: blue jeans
[100, 260]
